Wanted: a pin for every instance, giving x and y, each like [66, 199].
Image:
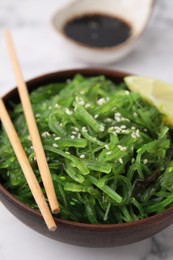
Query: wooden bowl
[88, 235]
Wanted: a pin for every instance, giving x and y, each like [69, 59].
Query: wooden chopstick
[26, 167]
[32, 127]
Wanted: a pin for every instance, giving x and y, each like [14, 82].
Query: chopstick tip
[56, 210]
[53, 228]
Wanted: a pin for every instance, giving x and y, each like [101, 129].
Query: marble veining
[40, 51]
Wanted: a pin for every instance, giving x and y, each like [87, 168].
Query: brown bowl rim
[84, 226]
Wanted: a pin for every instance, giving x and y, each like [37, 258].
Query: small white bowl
[136, 13]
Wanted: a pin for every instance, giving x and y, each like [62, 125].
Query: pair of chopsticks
[37, 145]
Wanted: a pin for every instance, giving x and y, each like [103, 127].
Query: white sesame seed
[55, 145]
[74, 132]
[127, 92]
[102, 128]
[67, 152]
[29, 137]
[101, 101]
[78, 135]
[72, 136]
[118, 114]
[84, 129]
[108, 153]
[82, 156]
[108, 120]
[120, 160]
[118, 119]
[49, 107]
[122, 148]
[68, 111]
[57, 106]
[45, 134]
[37, 115]
[35, 159]
[145, 161]
[133, 160]
[80, 101]
[57, 138]
[87, 105]
[145, 130]
[135, 114]
[123, 126]
[31, 147]
[117, 129]
[125, 131]
[125, 119]
[106, 147]
[133, 135]
[76, 129]
[96, 116]
[133, 127]
[110, 129]
[137, 133]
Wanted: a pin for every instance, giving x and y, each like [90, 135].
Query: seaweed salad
[109, 152]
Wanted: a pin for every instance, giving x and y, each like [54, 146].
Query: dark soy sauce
[97, 30]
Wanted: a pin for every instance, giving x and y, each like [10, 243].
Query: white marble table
[41, 51]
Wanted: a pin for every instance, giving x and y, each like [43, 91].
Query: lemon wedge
[154, 91]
